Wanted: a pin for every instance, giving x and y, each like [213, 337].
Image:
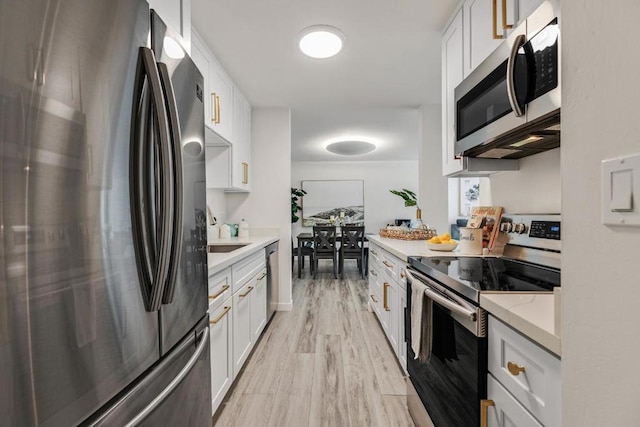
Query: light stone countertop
[532, 314]
[219, 261]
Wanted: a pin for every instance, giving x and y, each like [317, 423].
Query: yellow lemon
[435, 239]
[445, 236]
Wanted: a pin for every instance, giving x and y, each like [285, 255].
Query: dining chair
[352, 247]
[305, 251]
[325, 247]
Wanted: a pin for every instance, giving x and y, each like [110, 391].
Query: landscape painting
[341, 199]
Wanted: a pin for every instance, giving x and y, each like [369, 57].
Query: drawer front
[375, 256]
[219, 288]
[529, 372]
[506, 412]
[244, 270]
[402, 276]
[391, 265]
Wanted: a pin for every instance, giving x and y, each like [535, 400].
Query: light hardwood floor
[325, 363]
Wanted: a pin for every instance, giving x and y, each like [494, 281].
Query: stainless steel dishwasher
[273, 280]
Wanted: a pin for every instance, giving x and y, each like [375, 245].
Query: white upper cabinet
[482, 31]
[177, 15]
[513, 12]
[227, 117]
[221, 99]
[452, 74]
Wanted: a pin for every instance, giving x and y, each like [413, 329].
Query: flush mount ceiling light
[320, 41]
[350, 148]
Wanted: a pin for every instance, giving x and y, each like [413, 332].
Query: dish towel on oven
[421, 322]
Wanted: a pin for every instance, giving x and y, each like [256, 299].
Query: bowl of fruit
[443, 243]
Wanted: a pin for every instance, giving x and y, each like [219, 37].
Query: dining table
[306, 237]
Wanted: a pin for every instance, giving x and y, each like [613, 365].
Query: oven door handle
[445, 302]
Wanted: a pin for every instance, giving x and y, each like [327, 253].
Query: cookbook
[487, 218]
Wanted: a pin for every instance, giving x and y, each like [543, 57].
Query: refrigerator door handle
[152, 262]
[176, 188]
[175, 382]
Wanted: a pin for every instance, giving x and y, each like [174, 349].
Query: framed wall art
[342, 200]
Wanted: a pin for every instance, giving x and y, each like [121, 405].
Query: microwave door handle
[511, 65]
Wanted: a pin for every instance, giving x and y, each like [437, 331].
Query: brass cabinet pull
[217, 109]
[496, 36]
[505, 26]
[484, 405]
[373, 272]
[388, 264]
[245, 173]
[263, 276]
[214, 109]
[374, 252]
[374, 299]
[514, 368]
[386, 297]
[246, 293]
[402, 275]
[217, 319]
[224, 288]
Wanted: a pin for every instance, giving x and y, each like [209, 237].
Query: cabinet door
[506, 412]
[402, 345]
[393, 306]
[452, 71]
[242, 335]
[259, 305]
[220, 342]
[515, 13]
[221, 99]
[482, 35]
[201, 59]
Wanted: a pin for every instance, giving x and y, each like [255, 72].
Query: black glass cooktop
[471, 275]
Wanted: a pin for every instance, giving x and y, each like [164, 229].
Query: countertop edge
[507, 312]
[217, 262]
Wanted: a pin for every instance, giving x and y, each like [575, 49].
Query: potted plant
[296, 193]
[410, 199]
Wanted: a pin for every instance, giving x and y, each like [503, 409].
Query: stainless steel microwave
[509, 106]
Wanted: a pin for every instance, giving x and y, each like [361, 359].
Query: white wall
[269, 203]
[534, 188]
[433, 187]
[380, 206]
[600, 282]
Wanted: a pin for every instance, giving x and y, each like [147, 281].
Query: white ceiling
[390, 65]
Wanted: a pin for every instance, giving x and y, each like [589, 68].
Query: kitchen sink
[213, 249]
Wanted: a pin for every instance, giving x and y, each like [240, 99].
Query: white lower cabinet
[523, 380]
[259, 305]
[387, 297]
[242, 334]
[221, 346]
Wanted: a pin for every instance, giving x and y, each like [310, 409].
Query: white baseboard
[285, 306]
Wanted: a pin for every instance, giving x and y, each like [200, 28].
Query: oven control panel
[534, 231]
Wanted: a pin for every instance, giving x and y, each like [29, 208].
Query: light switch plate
[621, 191]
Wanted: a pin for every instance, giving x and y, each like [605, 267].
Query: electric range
[450, 385]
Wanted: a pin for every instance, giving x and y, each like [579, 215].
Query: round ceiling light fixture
[321, 41]
[350, 147]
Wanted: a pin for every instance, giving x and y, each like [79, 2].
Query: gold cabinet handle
[246, 293]
[505, 26]
[388, 264]
[217, 109]
[484, 405]
[217, 319]
[214, 110]
[224, 288]
[386, 297]
[374, 253]
[245, 173]
[496, 36]
[514, 368]
[374, 299]
[263, 276]
[402, 275]
[373, 272]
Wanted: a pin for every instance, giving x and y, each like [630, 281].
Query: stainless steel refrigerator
[103, 270]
